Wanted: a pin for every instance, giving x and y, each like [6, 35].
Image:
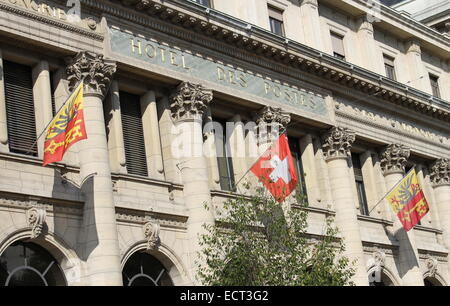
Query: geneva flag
[276, 169]
[66, 128]
[408, 201]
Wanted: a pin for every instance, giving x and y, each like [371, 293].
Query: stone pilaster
[101, 246]
[368, 49]
[188, 105]
[309, 14]
[393, 161]
[336, 148]
[271, 123]
[152, 135]
[418, 76]
[440, 178]
[42, 96]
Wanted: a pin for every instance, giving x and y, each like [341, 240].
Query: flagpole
[45, 129]
[395, 186]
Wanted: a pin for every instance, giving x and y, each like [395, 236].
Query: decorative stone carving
[337, 143]
[394, 158]
[189, 101]
[273, 118]
[440, 172]
[36, 219]
[151, 234]
[377, 262]
[94, 69]
[432, 266]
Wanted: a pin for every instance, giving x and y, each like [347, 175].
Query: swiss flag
[276, 169]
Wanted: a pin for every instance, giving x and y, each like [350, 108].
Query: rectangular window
[389, 67]
[133, 134]
[360, 188]
[434, 80]
[337, 42]
[276, 21]
[224, 160]
[206, 3]
[52, 87]
[296, 155]
[20, 115]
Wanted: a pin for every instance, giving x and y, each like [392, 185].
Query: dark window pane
[389, 67]
[360, 188]
[204, 2]
[143, 269]
[276, 26]
[28, 264]
[296, 155]
[435, 86]
[225, 161]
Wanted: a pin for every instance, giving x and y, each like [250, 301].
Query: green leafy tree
[258, 242]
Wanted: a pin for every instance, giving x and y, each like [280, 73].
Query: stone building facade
[362, 92]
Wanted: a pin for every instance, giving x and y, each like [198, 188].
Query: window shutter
[275, 13]
[133, 134]
[338, 44]
[20, 108]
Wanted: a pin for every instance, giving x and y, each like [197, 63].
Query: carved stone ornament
[272, 118]
[189, 101]
[151, 233]
[440, 172]
[36, 219]
[377, 262]
[394, 158]
[432, 266]
[94, 69]
[337, 143]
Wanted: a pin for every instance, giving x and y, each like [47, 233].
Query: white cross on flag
[276, 169]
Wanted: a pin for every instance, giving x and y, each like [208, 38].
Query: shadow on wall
[407, 251]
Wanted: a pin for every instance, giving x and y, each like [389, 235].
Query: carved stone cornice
[394, 158]
[272, 120]
[189, 101]
[36, 218]
[151, 231]
[337, 143]
[96, 72]
[440, 172]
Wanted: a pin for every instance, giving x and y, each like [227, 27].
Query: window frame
[434, 83]
[276, 16]
[389, 67]
[360, 185]
[230, 184]
[335, 38]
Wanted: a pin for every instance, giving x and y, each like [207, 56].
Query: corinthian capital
[189, 101]
[96, 72]
[337, 143]
[273, 117]
[440, 172]
[394, 158]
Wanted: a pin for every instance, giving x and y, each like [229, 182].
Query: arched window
[28, 264]
[431, 282]
[380, 281]
[143, 269]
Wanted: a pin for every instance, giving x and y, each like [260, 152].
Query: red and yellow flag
[408, 201]
[66, 128]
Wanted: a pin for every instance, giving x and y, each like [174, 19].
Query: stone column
[3, 125]
[370, 55]
[393, 161]
[42, 94]
[336, 147]
[152, 136]
[309, 16]
[440, 178]
[101, 246]
[310, 169]
[418, 76]
[211, 151]
[188, 105]
[116, 143]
